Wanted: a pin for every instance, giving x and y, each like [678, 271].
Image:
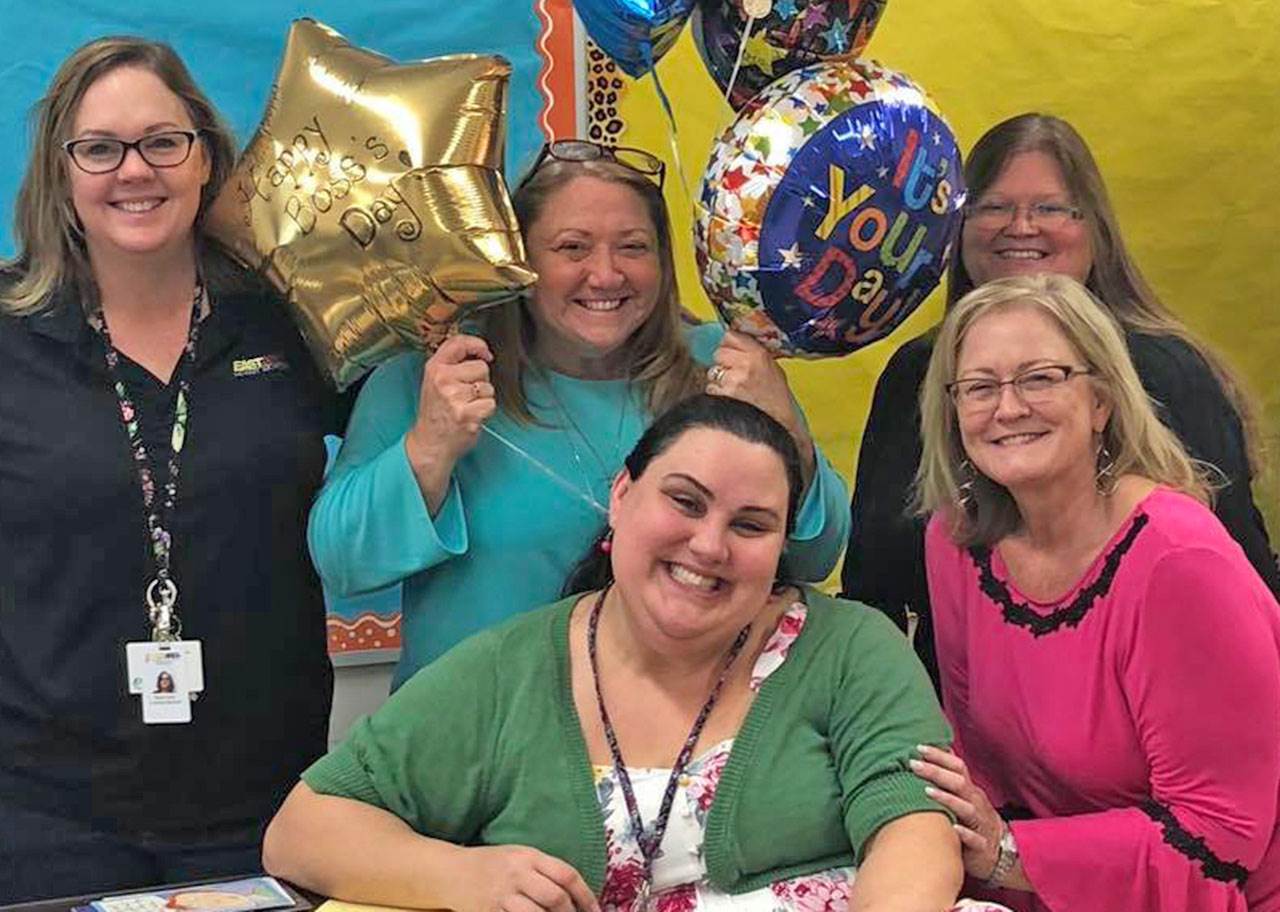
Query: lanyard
[651, 840]
[162, 592]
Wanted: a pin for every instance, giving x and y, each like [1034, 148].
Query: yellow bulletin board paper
[1179, 101]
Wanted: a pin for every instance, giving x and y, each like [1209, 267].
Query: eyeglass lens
[160, 150]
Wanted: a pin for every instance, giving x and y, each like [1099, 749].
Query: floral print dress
[679, 872]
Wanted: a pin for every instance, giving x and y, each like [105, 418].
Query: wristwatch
[1006, 858]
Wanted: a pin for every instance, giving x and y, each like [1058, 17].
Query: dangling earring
[968, 478]
[606, 542]
[1104, 478]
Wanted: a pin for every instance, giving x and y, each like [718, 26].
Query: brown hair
[1138, 442]
[659, 359]
[51, 247]
[1114, 278]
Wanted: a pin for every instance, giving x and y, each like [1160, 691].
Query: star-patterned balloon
[828, 210]
[795, 33]
[372, 196]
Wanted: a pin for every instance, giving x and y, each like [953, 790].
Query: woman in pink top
[1109, 658]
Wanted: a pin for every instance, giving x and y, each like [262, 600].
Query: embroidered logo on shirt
[263, 364]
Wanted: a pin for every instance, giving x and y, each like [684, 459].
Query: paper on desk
[337, 905]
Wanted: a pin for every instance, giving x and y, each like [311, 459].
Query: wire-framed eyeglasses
[1034, 386]
[997, 214]
[584, 150]
[103, 154]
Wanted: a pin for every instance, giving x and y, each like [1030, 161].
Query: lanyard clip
[162, 597]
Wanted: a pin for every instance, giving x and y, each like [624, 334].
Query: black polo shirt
[74, 563]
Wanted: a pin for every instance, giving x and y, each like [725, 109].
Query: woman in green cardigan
[684, 729]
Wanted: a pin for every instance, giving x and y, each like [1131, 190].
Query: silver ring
[716, 373]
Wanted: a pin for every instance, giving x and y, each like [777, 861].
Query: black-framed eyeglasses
[1034, 386]
[584, 150]
[102, 154]
[996, 214]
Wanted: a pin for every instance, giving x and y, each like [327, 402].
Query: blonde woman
[1109, 658]
[1038, 203]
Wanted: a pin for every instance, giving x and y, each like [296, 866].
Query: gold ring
[475, 389]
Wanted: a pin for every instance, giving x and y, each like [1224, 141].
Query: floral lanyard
[161, 592]
[650, 841]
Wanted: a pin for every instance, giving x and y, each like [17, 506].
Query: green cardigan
[484, 747]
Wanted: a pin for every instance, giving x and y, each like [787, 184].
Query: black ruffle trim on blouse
[1194, 847]
[1069, 615]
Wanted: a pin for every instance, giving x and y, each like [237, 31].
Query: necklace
[651, 840]
[607, 468]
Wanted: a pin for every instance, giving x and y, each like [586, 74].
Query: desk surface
[302, 899]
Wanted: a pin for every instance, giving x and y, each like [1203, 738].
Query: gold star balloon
[372, 196]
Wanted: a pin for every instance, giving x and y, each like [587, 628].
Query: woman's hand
[744, 369]
[979, 826]
[519, 879]
[453, 402]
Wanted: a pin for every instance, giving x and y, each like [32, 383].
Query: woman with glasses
[161, 440]
[476, 477]
[1109, 659]
[1037, 203]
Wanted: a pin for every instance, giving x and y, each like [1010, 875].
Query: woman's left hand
[978, 824]
[744, 369]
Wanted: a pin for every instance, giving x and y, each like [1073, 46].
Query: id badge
[167, 675]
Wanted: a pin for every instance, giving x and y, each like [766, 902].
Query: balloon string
[737, 64]
[671, 132]
[548, 471]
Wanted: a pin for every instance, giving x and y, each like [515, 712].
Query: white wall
[357, 691]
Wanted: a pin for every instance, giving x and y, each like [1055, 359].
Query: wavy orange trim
[368, 631]
[557, 80]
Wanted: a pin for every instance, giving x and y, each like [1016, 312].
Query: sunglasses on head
[584, 150]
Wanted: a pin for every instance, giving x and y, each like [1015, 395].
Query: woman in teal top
[687, 731]
[477, 531]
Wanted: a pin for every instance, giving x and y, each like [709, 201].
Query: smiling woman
[152, 502]
[563, 382]
[689, 730]
[1109, 658]
[1038, 205]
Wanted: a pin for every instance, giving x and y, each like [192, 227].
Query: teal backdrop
[233, 47]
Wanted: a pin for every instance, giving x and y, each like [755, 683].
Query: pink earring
[606, 543]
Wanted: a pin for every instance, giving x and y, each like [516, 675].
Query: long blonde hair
[1114, 277]
[659, 359]
[51, 245]
[983, 511]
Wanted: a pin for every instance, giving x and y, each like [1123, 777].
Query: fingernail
[930, 791]
[915, 764]
[923, 748]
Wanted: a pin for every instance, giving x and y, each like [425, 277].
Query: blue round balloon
[829, 209]
[635, 33]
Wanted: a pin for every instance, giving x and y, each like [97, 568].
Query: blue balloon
[829, 209]
[635, 33]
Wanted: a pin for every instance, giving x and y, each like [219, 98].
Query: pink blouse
[1129, 730]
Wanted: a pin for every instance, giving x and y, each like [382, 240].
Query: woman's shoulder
[517, 645]
[1179, 522]
[843, 618]
[1169, 364]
